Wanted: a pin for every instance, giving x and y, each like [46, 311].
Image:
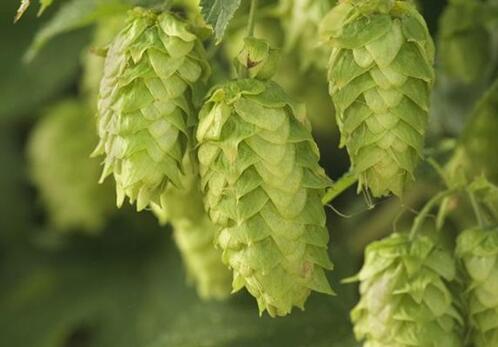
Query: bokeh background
[124, 285]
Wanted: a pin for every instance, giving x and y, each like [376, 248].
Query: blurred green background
[126, 286]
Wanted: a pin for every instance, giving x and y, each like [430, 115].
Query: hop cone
[478, 249]
[194, 235]
[301, 20]
[464, 41]
[263, 185]
[405, 300]
[380, 77]
[152, 75]
[58, 151]
[93, 61]
[480, 142]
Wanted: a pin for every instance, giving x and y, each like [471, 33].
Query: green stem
[419, 220]
[476, 209]
[340, 186]
[252, 18]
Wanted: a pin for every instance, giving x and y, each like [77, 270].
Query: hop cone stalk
[478, 249]
[152, 75]
[380, 77]
[58, 153]
[194, 235]
[262, 186]
[301, 20]
[405, 300]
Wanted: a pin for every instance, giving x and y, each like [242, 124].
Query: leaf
[24, 87]
[73, 15]
[218, 14]
[23, 7]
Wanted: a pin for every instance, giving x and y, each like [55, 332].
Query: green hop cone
[300, 21]
[153, 76]
[263, 186]
[65, 175]
[380, 78]
[478, 250]
[464, 41]
[93, 57]
[405, 299]
[479, 144]
[194, 233]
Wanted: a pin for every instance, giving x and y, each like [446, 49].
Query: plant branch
[346, 181]
[419, 220]
[251, 22]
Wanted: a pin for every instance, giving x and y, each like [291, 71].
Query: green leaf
[23, 7]
[218, 14]
[23, 87]
[73, 15]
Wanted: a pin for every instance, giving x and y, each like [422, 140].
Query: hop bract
[380, 78]
[478, 248]
[405, 300]
[263, 185]
[152, 75]
[58, 152]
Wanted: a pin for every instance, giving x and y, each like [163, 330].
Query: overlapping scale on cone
[194, 234]
[153, 72]
[380, 78]
[262, 186]
[478, 249]
[405, 299]
[60, 167]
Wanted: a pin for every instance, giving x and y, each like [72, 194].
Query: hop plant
[380, 77]
[153, 76]
[194, 233]
[300, 20]
[263, 187]
[464, 40]
[478, 250]
[65, 175]
[405, 299]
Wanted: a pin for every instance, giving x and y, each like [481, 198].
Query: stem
[346, 181]
[476, 209]
[379, 224]
[252, 18]
[419, 220]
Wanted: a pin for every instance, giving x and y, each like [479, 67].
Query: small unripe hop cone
[405, 299]
[194, 235]
[58, 154]
[263, 186]
[478, 249]
[380, 78]
[153, 72]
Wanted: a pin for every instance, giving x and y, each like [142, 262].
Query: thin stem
[419, 220]
[476, 209]
[340, 186]
[252, 18]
